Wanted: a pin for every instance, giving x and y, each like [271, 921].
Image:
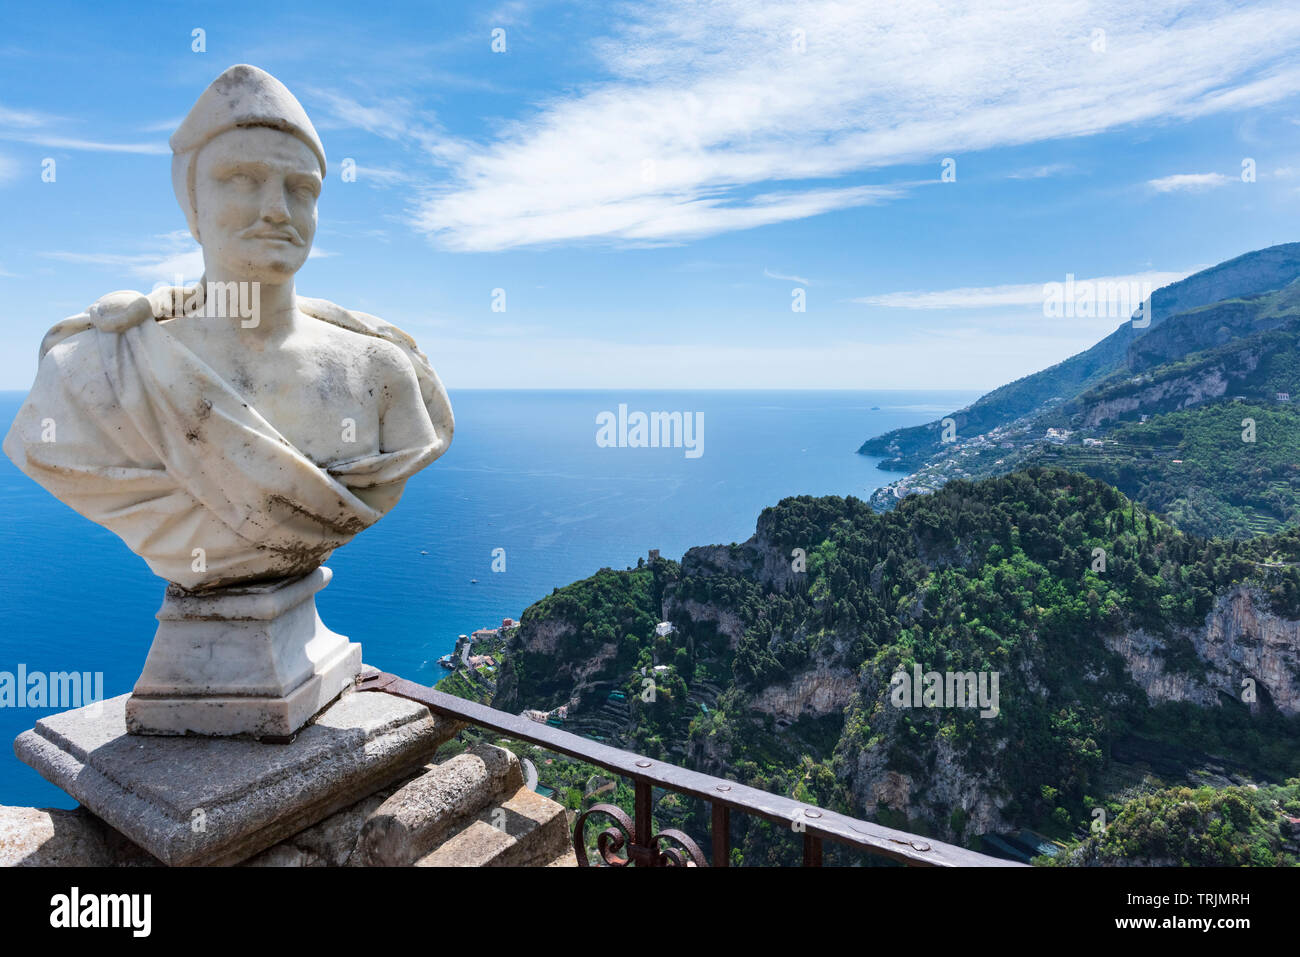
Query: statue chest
[326, 422]
[324, 400]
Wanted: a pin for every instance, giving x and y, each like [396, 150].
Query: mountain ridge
[1251, 273]
[1241, 348]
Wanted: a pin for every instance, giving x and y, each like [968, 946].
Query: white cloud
[163, 126]
[1189, 182]
[88, 146]
[1026, 294]
[393, 120]
[706, 104]
[1041, 172]
[23, 126]
[23, 118]
[776, 275]
[152, 266]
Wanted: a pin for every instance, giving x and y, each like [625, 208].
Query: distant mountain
[1153, 411]
[1252, 274]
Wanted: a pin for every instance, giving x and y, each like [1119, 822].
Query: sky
[608, 195]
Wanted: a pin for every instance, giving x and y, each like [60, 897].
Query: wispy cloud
[394, 119]
[160, 266]
[509, 13]
[90, 146]
[776, 275]
[25, 126]
[1189, 182]
[23, 118]
[986, 297]
[1041, 172]
[163, 126]
[386, 176]
[711, 113]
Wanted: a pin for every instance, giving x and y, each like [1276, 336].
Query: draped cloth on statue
[134, 431]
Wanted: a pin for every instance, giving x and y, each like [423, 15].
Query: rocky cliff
[1248, 653]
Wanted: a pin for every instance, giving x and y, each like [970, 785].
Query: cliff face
[698, 614]
[1144, 660]
[544, 637]
[951, 785]
[1209, 379]
[1179, 393]
[1243, 638]
[816, 692]
[1242, 641]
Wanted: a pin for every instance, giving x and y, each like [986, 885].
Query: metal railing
[645, 849]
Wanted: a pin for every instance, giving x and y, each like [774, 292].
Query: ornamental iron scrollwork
[622, 834]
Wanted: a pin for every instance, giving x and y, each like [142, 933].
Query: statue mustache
[285, 232]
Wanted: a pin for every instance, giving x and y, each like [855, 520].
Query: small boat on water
[423, 552]
[473, 581]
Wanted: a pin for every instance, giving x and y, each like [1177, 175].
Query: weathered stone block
[419, 815]
[192, 800]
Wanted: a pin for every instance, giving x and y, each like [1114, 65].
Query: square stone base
[247, 660]
[195, 800]
[262, 716]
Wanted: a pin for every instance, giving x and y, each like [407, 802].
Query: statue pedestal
[254, 661]
[206, 800]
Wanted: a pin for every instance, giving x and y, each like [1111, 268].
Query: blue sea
[524, 474]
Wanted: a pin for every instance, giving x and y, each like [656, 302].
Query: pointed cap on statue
[242, 96]
[245, 96]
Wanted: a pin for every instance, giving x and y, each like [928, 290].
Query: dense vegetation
[1000, 575]
[1195, 467]
[1211, 827]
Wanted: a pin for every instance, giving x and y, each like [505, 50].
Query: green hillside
[993, 576]
[1195, 468]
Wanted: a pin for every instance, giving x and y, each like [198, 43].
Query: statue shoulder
[431, 388]
[355, 320]
[113, 312]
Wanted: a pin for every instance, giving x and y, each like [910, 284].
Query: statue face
[255, 191]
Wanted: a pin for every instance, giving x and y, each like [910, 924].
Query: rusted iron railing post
[812, 850]
[643, 805]
[721, 835]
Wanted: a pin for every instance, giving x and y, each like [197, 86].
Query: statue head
[247, 169]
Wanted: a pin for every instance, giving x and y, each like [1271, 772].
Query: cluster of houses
[465, 642]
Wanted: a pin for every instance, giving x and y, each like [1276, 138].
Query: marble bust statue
[233, 433]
